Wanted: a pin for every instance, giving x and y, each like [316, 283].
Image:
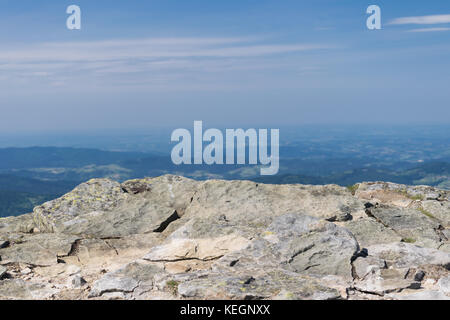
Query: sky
[143, 64]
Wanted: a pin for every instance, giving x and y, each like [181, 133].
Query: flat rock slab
[370, 232]
[23, 223]
[237, 200]
[439, 210]
[126, 280]
[412, 225]
[370, 190]
[384, 281]
[38, 250]
[102, 208]
[275, 285]
[406, 255]
[16, 289]
[292, 255]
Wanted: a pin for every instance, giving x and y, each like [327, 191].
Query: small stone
[3, 244]
[444, 285]
[114, 296]
[446, 233]
[415, 286]
[363, 266]
[177, 267]
[78, 281]
[3, 271]
[26, 271]
[385, 281]
[419, 276]
[73, 270]
[432, 196]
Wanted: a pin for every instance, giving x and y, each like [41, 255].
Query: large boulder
[103, 208]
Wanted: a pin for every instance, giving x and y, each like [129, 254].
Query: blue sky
[137, 64]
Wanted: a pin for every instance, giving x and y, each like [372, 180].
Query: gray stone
[17, 289]
[26, 271]
[23, 224]
[38, 250]
[254, 205]
[406, 255]
[313, 247]
[3, 271]
[369, 232]
[421, 295]
[363, 266]
[444, 285]
[247, 287]
[78, 281]
[446, 233]
[445, 247]
[440, 210]
[411, 224]
[385, 281]
[3, 244]
[419, 276]
[102, 208]
[126, 279]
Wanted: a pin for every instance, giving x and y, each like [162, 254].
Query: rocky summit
[174, 238]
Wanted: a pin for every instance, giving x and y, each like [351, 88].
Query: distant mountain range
[433, 173]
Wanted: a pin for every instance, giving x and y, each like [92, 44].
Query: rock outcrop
[174, 238]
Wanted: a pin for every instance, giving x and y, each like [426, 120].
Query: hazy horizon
[156, 140]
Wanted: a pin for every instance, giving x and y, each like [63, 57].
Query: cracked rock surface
[175, 238]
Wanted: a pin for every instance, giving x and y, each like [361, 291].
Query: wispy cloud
[150, 49]
[141, 61]
[429, 30]
[424, 20]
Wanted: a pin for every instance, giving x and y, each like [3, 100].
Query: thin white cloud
[142, 60]
[429, 30]
[186, 41]
[425, 20]
[148, 49]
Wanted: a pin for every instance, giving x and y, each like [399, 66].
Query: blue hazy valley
[344, 155]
